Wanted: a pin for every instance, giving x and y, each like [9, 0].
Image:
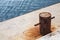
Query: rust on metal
[45, 23]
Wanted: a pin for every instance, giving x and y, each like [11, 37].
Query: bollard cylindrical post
[45, 23]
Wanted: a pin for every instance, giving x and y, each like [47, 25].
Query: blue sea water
[13, 8]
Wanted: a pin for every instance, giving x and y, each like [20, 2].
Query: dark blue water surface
[13, 8]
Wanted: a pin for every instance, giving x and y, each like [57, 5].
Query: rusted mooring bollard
[45, 23]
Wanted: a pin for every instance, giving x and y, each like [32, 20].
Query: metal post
[45, 23]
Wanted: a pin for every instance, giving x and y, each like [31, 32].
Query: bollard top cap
[45, 14]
